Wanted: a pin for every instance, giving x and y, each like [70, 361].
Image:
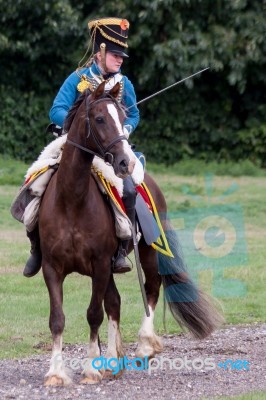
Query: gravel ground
[23, 379]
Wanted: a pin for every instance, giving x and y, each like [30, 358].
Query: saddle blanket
[25, 206]
[160, 243]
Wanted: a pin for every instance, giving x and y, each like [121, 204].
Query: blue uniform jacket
[68, 94]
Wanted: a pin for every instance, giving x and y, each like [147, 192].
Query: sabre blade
[169, 87]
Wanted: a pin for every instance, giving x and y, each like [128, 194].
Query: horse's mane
[72, 111]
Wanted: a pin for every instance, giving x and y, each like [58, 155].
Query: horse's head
[105, 130]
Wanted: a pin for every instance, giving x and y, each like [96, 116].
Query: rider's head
[109, 42]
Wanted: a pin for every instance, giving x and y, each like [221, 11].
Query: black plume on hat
[111, 33]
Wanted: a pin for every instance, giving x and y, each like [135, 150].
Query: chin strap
[103, 56]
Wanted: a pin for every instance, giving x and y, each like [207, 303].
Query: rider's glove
[56, 130]
[127, 130]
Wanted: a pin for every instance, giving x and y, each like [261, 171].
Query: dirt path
[23, 379]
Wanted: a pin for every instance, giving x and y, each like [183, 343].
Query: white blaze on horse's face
[126, 147]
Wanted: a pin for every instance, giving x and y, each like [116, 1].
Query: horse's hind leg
[56, 375]
[112, 303]
[149, 343]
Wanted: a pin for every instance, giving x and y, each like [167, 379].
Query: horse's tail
[190, 307]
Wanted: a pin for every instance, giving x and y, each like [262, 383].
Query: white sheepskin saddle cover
[51, 156]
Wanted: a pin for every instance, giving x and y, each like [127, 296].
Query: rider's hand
[127, 130]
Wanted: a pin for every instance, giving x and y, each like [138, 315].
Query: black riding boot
[121, 263]
[34, 263]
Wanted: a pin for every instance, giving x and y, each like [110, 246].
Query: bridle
[102, 152]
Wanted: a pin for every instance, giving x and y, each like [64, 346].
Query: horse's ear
[98, 92]
[114, 92]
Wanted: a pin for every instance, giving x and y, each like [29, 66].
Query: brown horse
[77, 234]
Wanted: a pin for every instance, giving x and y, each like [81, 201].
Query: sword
[135, 243]
[169, 87]
[138, 265]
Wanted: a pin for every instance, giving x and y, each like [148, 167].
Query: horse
[77, 234]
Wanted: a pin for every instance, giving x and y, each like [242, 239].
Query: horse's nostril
[123, 166]
[123, 163]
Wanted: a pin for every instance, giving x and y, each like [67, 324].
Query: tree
[217, 113]
[220, 114]
[37, 43]
[38, 40]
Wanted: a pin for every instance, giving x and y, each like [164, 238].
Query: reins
[102, 152]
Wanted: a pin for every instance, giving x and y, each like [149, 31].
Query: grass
[24, 303]
[196, 167]
[11, 171]
[248, 396]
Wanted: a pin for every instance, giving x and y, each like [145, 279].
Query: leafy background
[219, 115]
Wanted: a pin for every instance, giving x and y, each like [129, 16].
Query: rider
[109, 43]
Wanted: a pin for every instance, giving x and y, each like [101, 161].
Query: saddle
[25, 207]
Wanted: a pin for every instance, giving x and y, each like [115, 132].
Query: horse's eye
[99, 120]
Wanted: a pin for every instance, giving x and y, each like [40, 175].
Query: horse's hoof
[145, 361]
[91, 380]
[108, 374]
[54, 381]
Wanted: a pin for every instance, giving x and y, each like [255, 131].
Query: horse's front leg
[112, 303]
[56, 376]
[93, 365]
[149, 343]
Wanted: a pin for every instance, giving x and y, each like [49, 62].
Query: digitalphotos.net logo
[211, 238]
[151, 366]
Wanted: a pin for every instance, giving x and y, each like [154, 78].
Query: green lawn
[249, 396]
[24, 303]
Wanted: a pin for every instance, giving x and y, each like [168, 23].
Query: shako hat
[109, 34]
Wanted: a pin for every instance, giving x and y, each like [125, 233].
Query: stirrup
[120, 264]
